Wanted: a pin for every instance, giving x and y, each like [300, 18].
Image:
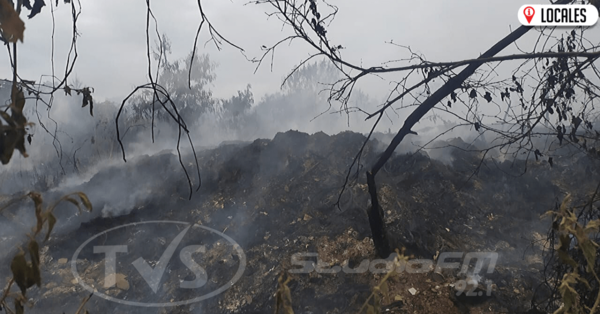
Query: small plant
[283, 296]
[381, 292]
[26, 273]
[574, 238]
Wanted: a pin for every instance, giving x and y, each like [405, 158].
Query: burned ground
[276, 198]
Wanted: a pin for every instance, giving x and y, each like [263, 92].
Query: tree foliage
[238, 104]
[190, 93]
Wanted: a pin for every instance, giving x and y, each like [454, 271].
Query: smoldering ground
[270, 182]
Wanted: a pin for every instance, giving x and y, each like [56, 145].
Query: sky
[112, 47]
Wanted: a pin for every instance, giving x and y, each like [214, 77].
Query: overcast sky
[112, 43]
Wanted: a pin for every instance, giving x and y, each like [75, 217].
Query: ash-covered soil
[276, 198]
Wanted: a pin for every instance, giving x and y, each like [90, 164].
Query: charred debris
[276, 198]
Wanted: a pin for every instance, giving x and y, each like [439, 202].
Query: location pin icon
[529, 12]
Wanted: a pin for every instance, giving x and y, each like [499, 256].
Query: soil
[278, 197]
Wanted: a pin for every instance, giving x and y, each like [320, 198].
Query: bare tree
[556, 69]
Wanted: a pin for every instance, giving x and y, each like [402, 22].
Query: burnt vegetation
[521, 180]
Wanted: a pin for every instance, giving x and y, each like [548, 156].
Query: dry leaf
[19, 309]
[85, 200]
[283, 297]
[34, 253]
[74, 202]
[11, 24]
[19, 268]
[51, 223]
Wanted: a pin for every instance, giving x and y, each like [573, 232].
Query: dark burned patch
[275, 198]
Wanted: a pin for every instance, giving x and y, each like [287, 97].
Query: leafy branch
[569, 230]
[27, 273]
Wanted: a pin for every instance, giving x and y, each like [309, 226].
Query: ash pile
[277, 200]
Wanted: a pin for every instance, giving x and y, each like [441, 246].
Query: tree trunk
[378, 229]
